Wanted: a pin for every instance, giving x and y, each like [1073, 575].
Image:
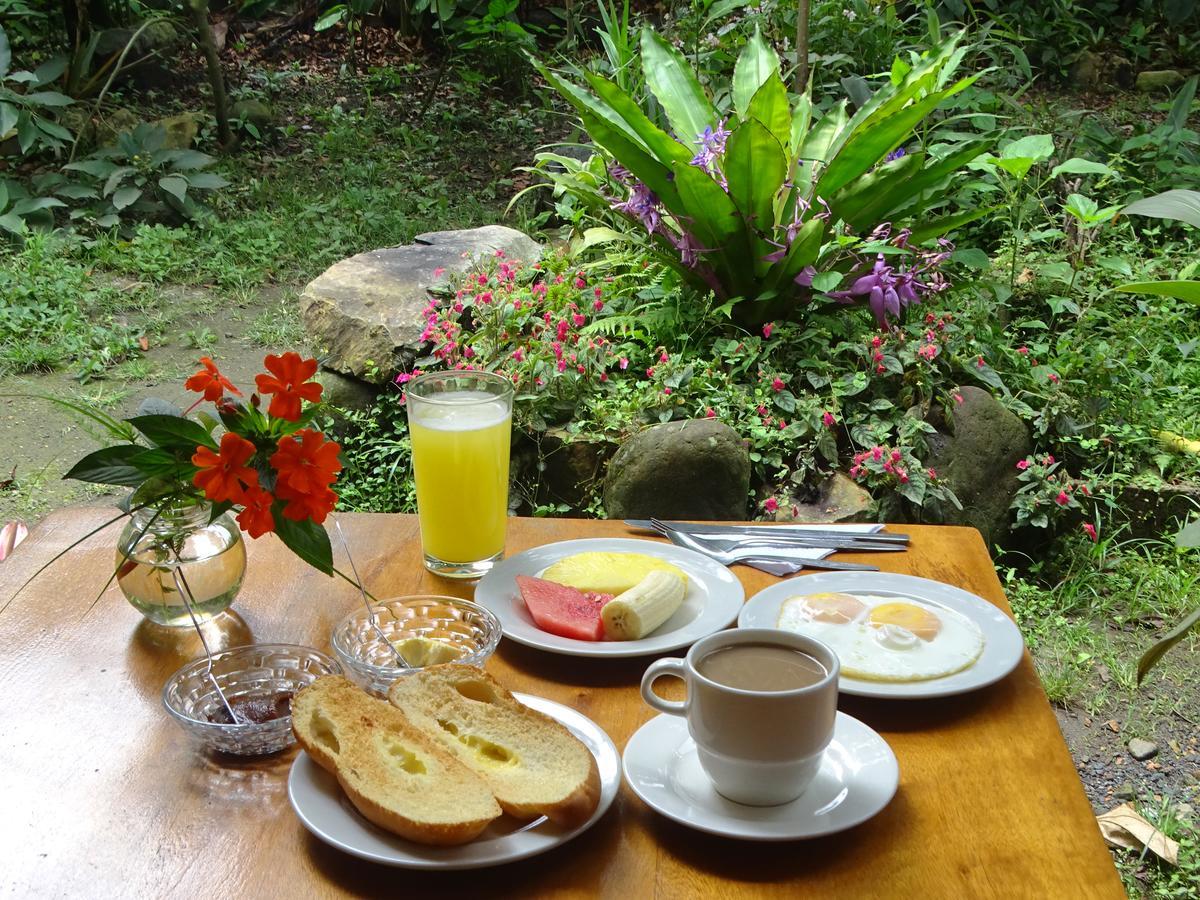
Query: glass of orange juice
[461, 427]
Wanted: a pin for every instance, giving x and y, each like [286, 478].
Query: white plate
[325, 811]
[1002, 648]
[858, 777]
[713, 599]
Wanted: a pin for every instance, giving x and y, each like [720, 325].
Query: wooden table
[103, 795]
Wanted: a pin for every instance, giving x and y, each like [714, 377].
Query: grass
[278, 325]
[1144, 876]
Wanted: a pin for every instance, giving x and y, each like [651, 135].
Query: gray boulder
[570, 468]
[253, 112]
[698, 469]
[1160, 80]
[977, 460]
[838, 499]
[366, 311]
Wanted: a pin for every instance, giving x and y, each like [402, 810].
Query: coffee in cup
[760, 707]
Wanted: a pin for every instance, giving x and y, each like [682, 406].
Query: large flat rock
[365, 312]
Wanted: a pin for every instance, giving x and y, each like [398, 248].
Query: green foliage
[27, 109]
[139, 176]
[377, 458]
[771, 200]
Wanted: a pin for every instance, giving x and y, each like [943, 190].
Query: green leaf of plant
[657, 141]
[946, 224]
[858, 201]
[206, 181]
[1077, 166]
[801, 120]
[173, 432]
[125, 196]
[54, 130]
[109, 465]
[13, 224]
[754, 66]
[1178, 205]
[1035, 147]
[769, 105]
[8, 119]
[189, 160]
[33, 204]
[1189, 536]
[97, 168]
[864, 149]
[5, 56]
[115, 177]
[175, 185]
[48, 98]
[164, 464]
[1165, 643]
[1180, 290]
[50, 70]
[674, 85]
[755, 168]
[804, 252]
[1181, 108]
[713, 218]
[306, 539]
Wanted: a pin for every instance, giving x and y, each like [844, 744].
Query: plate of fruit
[610, 597]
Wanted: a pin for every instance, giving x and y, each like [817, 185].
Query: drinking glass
[461, 427]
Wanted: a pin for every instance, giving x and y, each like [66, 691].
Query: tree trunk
[802, 46]
[199, 11]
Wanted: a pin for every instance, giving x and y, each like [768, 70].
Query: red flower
[1023, 464]
[289, 383]
[1062, 499]
[210, 382]
[771, 504]
[224, 476]
[1090, 530]
[306, 461]
[256, 519]
[777, 384]
[300, 506]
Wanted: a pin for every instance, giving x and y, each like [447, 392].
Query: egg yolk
[920, 621]
[837, 609]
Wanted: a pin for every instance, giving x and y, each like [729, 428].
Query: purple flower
[712, 148]
[642, 205]
[618, 173]
[895, 155]
[689, 249]
[887, 291]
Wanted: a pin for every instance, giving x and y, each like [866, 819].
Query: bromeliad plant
[770, 204]
[271, 465]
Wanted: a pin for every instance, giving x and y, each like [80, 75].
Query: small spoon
[367, 603]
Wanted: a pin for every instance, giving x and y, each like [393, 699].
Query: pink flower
[485, 297]
[903, 475]
[828, 419]
[579, 368]
[777, 384]
[662, 357]
[563, 328]
[1048, 460]
[580, 284]
[929, 351]
[932, 474]
[482, 279]
[458, 307]
[855, 471]
[1023, 465]
[598, 292]
[562, 365]
[958, 398]
[767, 329]
[979, 362]
[782, 424]
[1062, 499]
[876, 453]
[518, 354]
[667, 391]
[499, 254]
[1024, 351]
[710, 413]
[578, 319]
[604, 376]
[1053, 378]
[876, 341]
[1090, 530]
[770, 504]
[439, 272]
[623, 363]
[650, 372]
[598, 305]
[762, 410]
[895, 456]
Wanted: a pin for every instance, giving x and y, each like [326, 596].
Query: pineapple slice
[608, 573]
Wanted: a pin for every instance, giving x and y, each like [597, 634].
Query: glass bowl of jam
[421, 630]
[259, 681]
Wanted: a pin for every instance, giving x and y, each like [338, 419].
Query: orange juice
[460, 446]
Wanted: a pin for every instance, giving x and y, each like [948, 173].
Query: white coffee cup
[761, 748]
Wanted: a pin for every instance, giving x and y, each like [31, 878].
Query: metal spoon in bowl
[366, 602]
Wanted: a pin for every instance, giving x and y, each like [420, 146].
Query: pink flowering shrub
[898, 470]
[1048, 494]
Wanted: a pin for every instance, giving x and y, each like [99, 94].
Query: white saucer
[713, 600]
[325, 811]
[858, 778]
[1002, 649]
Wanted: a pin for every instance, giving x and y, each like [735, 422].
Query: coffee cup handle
[657, 669]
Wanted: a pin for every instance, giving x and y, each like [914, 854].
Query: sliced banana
[644, 607]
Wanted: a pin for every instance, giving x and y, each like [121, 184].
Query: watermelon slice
[563, 610]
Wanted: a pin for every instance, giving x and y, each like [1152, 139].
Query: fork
[745, 553]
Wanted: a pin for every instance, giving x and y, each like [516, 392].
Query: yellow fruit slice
[608, 573]
[423, 651]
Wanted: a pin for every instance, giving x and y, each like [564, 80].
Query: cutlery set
[776, 549]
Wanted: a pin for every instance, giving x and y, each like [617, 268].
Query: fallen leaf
[1124, 827]
[144, 342]
[1113, 725]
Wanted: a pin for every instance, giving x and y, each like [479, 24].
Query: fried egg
[886, 638]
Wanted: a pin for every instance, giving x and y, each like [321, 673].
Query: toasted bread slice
[393, 773]
[533, 765]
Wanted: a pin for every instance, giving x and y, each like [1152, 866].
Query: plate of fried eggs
[895, 635]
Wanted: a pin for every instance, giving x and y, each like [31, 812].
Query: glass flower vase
[159, 544]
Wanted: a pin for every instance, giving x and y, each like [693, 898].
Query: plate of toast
[452, 771]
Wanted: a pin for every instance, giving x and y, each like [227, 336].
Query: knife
[777, 532]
